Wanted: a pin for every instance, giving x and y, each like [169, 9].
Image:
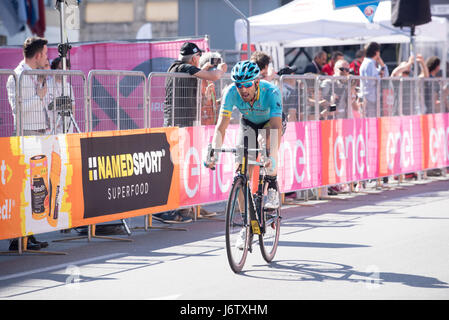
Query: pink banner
[436, 140]
[349, 150]
[400, 145]
[198, 183]
[300, 156]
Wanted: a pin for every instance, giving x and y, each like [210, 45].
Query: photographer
[336, 92]
[180, 106]
[209, 102]
[62, 100]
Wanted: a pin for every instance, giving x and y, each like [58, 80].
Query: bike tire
[269, 239]
[234, 225]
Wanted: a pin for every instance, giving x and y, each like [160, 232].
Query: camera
[63, 103]
[332, 107]
[215, 61]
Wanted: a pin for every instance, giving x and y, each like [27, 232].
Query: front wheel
[237, 229]
[269, 239]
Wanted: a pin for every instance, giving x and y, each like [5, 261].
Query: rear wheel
[237, 230]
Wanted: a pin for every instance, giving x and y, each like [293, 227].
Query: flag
[369, 9]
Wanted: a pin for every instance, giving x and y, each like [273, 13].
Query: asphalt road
[387, 244]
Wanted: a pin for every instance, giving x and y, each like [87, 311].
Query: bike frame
[251, 209]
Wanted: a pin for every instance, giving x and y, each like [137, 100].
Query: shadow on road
[320, 271]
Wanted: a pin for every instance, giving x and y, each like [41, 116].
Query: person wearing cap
[183, 112]
[180, 108]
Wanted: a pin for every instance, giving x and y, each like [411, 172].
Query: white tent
[310, 23]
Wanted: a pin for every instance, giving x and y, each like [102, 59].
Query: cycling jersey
[268, 103]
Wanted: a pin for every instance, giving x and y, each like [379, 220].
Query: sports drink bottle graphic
[39, 187]
[55, 178]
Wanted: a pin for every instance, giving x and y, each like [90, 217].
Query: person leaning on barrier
[185, 107]
[183, 112]
[372, 66]
[338, 97]
[434, 103]
[209, 101]
[34, 93]
[404, 70]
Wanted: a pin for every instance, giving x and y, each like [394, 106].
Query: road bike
[245, 212]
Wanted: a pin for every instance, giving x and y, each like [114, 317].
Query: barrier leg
[150, 226]
[22, 247]
[91, 234]
[200, 216]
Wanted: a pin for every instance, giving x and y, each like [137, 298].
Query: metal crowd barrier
[52, 102]
[117, 100]
[174, 89]
[308, 97]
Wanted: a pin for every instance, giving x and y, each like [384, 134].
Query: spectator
[309, 100]
[34, 89]
[404, 70]
[432, 88]
[335, 91]
[328, 68]
[317, 64]
[263, 61]
[185, 104]
[354, 66]
[34, 96]
[209, 102]
[185, 107]
[372, 66]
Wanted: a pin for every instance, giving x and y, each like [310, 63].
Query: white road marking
[60, 266]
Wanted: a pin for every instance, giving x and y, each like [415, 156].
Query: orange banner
[54, 182]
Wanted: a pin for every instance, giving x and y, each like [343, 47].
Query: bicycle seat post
[245, 156]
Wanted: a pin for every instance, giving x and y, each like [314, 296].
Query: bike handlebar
[211, 151]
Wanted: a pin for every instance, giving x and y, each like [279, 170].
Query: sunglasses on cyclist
[248, 84]
[344, 69]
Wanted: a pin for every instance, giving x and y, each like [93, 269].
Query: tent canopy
[306, 23]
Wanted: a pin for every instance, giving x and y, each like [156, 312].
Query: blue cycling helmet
[245, 71]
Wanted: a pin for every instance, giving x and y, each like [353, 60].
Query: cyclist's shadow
[320, 271]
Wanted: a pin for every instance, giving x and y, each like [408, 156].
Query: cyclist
[260, 105]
